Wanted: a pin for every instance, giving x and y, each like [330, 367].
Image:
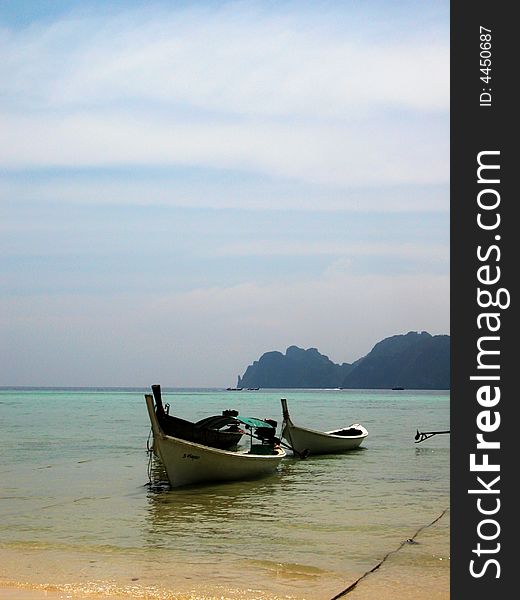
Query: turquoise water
[76, 509]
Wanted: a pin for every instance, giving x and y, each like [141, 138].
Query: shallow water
[76, 510]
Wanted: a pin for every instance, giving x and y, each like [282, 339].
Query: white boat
[188, 462]
[304, 441]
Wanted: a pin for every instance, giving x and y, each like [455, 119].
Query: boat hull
[308, 441]
[190, 463]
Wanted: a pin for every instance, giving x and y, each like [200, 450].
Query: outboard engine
[266, 434]
[230, 413]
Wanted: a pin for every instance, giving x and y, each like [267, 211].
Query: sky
[187, 185]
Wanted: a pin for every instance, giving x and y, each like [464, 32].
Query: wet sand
[417, 569]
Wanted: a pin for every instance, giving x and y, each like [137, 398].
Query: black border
[476, 128]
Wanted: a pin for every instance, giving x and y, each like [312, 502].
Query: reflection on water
[245, 528]
[215, 513]
[425, 450]
[300, 512]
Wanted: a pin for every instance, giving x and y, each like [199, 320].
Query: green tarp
[253, 422]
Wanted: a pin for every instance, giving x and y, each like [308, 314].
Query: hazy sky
[186, 185]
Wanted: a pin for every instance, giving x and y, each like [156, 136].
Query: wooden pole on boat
[285, 410]
[156, 389]
[287, 419]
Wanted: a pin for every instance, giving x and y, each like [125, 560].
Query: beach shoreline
[420, 567]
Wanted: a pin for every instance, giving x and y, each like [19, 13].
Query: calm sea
[77, 512]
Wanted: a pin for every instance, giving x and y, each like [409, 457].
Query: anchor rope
[353, 585]
[149, 450]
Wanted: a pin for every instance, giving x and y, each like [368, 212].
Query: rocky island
[416, 360]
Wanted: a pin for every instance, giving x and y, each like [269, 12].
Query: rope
[149, 450]
[408, 541]
[296, 453]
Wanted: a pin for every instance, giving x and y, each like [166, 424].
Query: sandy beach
[419, 569]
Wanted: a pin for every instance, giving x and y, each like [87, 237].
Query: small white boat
[304, 441]
[188, 462]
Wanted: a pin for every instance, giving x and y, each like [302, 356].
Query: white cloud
[228, 193]
[206, 337]
[229, 89]
[269, 247]
[238, 59]
[337, 155]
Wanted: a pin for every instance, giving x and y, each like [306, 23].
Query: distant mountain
[297, 368]
[413, 361]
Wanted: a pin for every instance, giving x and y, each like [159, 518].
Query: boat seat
[346, 432]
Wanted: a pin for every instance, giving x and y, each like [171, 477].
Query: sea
[87, 512]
